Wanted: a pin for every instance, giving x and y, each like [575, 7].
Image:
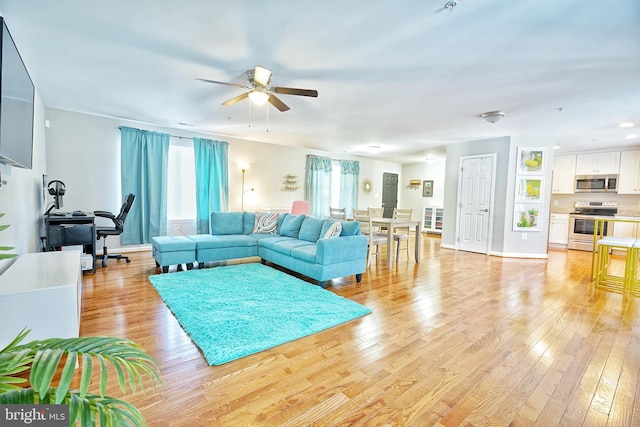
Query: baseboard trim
[504, 255]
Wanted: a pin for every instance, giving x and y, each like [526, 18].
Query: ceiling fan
[260, 91]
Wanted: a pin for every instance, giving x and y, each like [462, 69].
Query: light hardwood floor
[459, 339]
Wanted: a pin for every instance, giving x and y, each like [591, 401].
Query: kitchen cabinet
[559, 229]
[629, 178]
[625, 229]
[432, 221]
[564, 176]
[598, 163]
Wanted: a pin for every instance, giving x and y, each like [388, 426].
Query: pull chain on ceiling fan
[259, 90]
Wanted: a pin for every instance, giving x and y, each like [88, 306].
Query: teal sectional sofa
[321, 249]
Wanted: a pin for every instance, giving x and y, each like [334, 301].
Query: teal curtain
[143, 170]
[318, 185]
[349, 172]
[212, 180]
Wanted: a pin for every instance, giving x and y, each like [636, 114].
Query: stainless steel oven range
[582, 223]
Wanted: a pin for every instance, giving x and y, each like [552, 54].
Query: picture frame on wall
[531, 161]
[527, 216]
[427, 188]
[529, 189]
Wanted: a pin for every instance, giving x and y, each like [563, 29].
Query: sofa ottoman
[173, 250]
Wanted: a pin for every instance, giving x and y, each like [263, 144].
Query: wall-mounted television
[16, 105]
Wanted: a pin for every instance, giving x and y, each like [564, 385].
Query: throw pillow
[291, 225]
[310, 229]
[266, 223]
[331, 229]
[350, 228]
[226, 223]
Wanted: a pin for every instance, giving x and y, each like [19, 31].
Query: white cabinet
[629, 178]
[559, 229]
[564, 175]
[42, 292]
[598, 163]
[625, 229]
[432, 221]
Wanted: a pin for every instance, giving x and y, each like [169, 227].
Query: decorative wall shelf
[290, 182]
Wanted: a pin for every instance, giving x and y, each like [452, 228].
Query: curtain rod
[332, 159]
[170, 135]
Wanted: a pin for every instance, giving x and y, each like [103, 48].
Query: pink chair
[300, 207]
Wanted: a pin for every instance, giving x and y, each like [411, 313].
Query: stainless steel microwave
[596, 184]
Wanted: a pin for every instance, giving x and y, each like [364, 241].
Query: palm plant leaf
[43, 357]
[85, 409]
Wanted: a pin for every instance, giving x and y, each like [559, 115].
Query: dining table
[390, 224]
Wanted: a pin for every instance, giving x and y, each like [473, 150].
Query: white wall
[21, 197]
[505, 241]
[432, 170]
[534, 243]
[83, 151]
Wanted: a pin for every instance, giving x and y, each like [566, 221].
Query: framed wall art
[526, 216]
[531, 161]
[427, 188]
[528, 189]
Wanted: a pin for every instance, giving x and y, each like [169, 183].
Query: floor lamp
[243, 167]
[242, 199]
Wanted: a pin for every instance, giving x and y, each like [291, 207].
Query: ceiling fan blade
[261, 75]
[293, 91]
[236, 99]
[276, 102]
[223, 83]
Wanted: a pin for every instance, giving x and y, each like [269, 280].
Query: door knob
[484, 210]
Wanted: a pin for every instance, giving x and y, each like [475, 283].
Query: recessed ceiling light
[632, 136]
[626, 125]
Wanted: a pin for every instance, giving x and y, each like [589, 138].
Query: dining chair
[401, 234]
[366, 227]
[300, 207]
[377, 213]
[338, 213]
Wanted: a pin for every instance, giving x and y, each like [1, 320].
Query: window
[335, 184]
[181, 177]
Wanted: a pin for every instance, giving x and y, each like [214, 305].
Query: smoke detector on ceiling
[451, 4]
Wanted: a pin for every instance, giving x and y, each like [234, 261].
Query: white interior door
[475, 203]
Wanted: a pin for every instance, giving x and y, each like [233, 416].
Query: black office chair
[116, 230]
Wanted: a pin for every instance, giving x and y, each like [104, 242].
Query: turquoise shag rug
[234, 311]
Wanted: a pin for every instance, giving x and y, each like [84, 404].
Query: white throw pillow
[266, 223]
[333, 231]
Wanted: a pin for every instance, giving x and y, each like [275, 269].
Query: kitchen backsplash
[628, 204]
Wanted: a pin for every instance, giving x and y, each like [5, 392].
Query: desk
[391, 223]
[69, 230]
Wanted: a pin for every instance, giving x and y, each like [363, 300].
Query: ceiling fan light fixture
[493, 116]
[258, 97]
[261, 75]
